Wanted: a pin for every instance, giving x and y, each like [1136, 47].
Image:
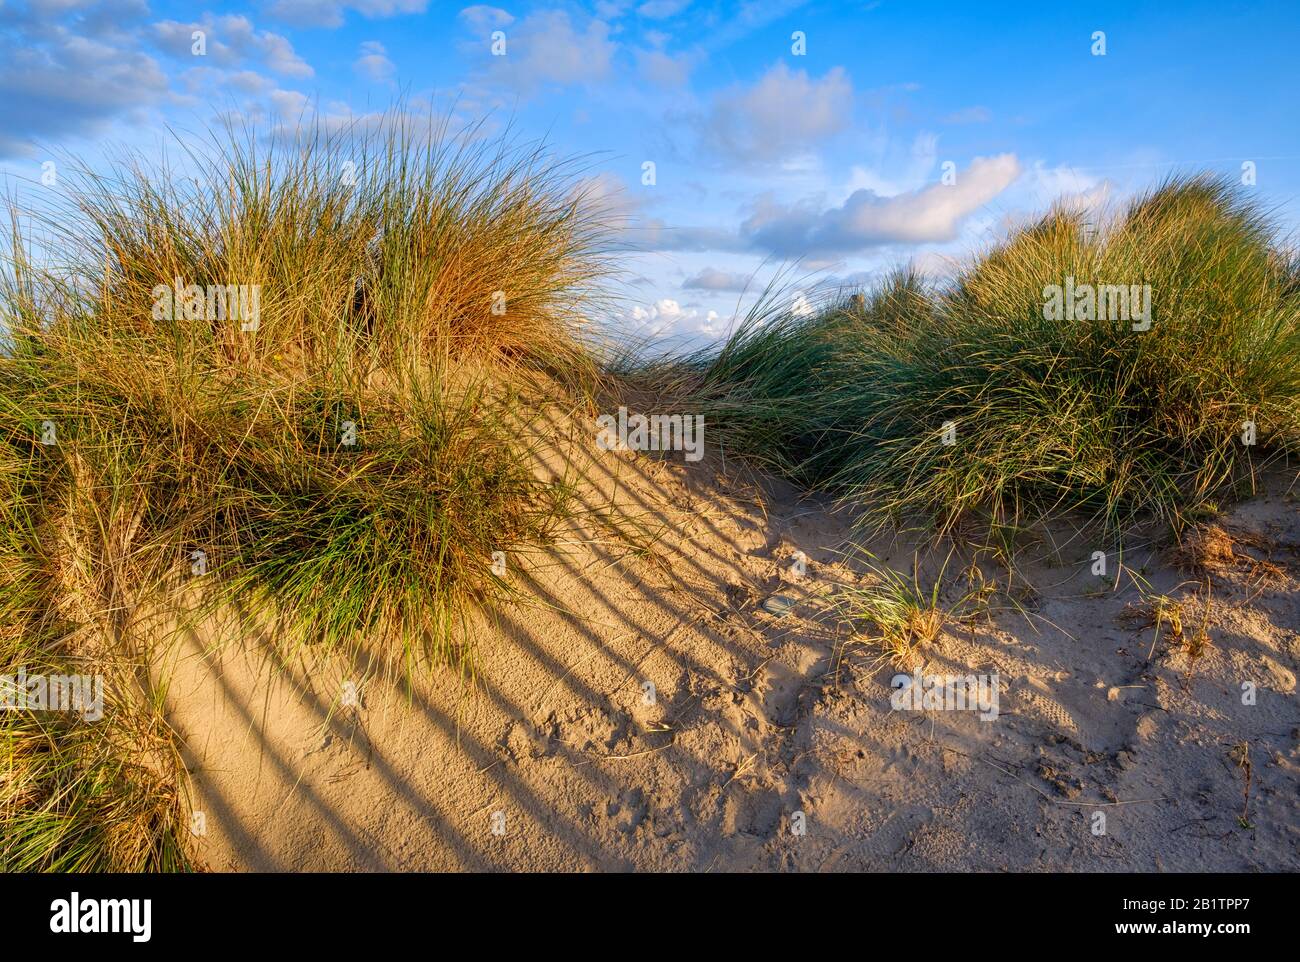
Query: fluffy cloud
[373, 62]
[664, 69]
[712, 279]
[612, 9]
[231, 41]
[606, 197]
[248, 82]
[866, 219]
[911, 171]
[289, 106]
[543, 48]
[1065, 185]
[66, 72]
[935, 265]
[814, 233]
[481, 18]
[667, 316]
[329, 13]
[786, 112]
[662, 9]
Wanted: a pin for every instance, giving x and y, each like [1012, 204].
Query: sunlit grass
[345, 468]
[1044, 415]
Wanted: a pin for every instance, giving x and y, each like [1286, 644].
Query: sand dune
[768, 740]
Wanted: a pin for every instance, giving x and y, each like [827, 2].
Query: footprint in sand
[1048, 709]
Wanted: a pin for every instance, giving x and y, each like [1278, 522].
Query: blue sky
[834, 157]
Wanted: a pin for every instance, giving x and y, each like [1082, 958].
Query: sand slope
[559, 759]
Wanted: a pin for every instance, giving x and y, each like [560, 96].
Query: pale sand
[751, 724]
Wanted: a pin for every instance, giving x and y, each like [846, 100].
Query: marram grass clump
[306, 379]
[1005, 394]
[309, 366]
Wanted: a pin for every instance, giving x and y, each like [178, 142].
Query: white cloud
[483, 18]
[612, 9]
[1043, 187]
[289, 105]
[664, 69]
[607, 194]
[61, 79]
[936, 265]
[231, 41]
[817, 234]
[248, 81]
[330, 13]
[373, 62]
[712, 279]
[667, 316]
[915, 170]
[866, 219]
[1090, 201]
[543, 48]
[662, 9]
[786, 112]
[711, 324]
[1063, 179]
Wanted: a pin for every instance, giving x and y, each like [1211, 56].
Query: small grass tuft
[895, 615]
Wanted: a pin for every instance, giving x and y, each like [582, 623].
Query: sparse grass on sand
[896, 616]
[347, 464]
